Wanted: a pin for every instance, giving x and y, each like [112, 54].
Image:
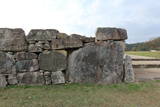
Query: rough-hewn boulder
[3, 81]
[100, 63]
[27, 65]
[128, 68]
[31, 78]
[25, 56]
[111, 34]
[40, 35]
[12, 40]
[66, 43]
[52, 61]
[7, 64]
[57, 77]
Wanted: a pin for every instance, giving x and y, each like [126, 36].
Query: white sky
[139, 17]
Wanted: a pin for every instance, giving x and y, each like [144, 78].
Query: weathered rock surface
[100, 63]
[83, 38]
[52, 61]
[57, 77]
[7, 64]
[47, 77]
[34, 48]
[27, 65]
[40, 35]
[66, 43]
[25, 56]
[111, 34]
[12, 40]
[12, 79]
[3, 81]
[31, 78]
[128, 68]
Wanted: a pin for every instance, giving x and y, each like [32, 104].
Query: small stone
[57, 77]
[31, 78]
[46, 46]
[3, 82]
[32, 42]
[47, 76]
[25, 56]
[12, 79]
[34, 48]
[62, 35]
[129, 72]
[108, 33]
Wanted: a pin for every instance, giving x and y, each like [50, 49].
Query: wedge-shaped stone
[52, 61]
[108, 33]
[12, 40]
[42, 35]
[66, 43]
[31, 78]
[100, 63]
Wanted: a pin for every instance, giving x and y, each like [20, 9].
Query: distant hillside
[153, 44]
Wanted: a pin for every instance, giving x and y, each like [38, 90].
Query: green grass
[144, 53]
[82, 95]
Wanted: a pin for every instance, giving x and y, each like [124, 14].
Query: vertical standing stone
[3, 81]
[129, 73]
[100, 63]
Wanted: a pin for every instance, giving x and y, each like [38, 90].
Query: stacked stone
[100, 62]
[11, 42]
[47, 56]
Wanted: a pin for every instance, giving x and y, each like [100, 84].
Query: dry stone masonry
[45, 57]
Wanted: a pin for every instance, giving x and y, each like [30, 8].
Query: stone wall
[45, 57]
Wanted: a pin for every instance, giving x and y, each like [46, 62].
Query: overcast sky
[141, 18]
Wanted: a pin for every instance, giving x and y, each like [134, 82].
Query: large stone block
[100, 63]
[31, 78]
[7, 64]
[40, 35]
[12, 40]
[25, 56]
[66, 43]
[128, 68]
[108, 33]
[57, 77]
[52, 61]
[27, 65]
[3, 81]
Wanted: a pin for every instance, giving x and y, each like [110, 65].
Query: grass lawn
[145, 53]
[82, 95]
